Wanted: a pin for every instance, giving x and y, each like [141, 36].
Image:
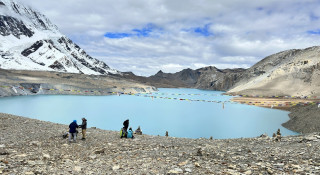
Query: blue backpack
[129, 134]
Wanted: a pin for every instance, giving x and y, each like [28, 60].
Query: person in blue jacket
[73, 130]
[130, 133]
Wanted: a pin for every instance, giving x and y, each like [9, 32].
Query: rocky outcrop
[31, 146]
[218, 79]
[12, 26]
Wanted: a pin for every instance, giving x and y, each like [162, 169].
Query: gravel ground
[29, 146]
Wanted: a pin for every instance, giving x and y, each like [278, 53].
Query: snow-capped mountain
[29, 41]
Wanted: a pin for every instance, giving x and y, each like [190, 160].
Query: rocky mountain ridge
[293, 72]
[204, 78]
[29, 41]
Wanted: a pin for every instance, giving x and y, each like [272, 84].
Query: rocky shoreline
[29, 146]
[304, 117]
[17, 83]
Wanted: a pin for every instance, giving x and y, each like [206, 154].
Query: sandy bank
[31, 146]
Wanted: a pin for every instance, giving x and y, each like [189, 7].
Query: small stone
[115, 167]
[269, 170]
[296, 166]
[176, 171]
[92, 156]
[46, 156]
[99, 151]
[196, 164]
[77, 168]
[29, 173]
[3, 152]
[188, 170]
[232, 167]
[35, 143]
[249, 172]
[22, 155]
[183, 163]
[199, 152]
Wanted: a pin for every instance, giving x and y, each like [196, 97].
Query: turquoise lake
[181, 118]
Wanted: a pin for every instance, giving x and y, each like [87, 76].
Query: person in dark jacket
[126, 124]
[73, 130]
[83, 126]
[125, 128]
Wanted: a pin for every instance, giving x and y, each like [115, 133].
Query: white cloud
[244, 31]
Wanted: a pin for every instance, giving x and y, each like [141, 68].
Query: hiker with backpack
[73, 130]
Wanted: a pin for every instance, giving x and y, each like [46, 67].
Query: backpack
[130, 135]
[123, 133]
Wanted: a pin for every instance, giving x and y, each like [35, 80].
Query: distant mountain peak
[29, 41]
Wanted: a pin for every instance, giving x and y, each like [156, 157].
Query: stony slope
[36, 147]
[293, 72]
[29, 41]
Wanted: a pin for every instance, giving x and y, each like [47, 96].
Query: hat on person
[84, 118]
[75, 121]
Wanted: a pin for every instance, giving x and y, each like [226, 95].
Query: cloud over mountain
[144, 36]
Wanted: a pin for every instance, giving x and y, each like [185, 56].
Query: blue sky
[146, 36]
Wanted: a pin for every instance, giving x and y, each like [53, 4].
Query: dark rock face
[57, 66]
[216, 79]
[1, 3]
[10, 25]
[32, 49]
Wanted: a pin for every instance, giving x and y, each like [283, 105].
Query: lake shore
[18, 82]
[304, 113]
[30, 146]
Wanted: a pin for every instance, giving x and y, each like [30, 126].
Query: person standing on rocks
[73, 130]
[83, 127]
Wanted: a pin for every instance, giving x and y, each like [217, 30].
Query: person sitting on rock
[73, 130]
[138, 131]
[130, 133]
